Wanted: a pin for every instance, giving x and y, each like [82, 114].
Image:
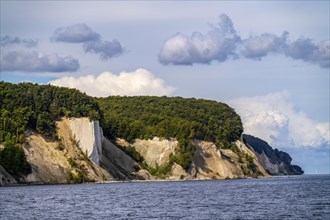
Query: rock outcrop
[83, 152]
[117, 162]
[6, 178]
[156, 151]
[209, 162]
[60, 161]
[274, 161]
[89, 136]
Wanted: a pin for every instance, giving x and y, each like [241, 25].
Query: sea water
[290, 197]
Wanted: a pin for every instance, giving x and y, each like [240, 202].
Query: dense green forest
[170, 117]
[37, 107]
[31, 106]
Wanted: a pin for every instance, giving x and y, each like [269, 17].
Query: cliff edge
[274, 161]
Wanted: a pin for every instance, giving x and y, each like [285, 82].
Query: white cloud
[35, 61]
[306, 50]
[139, 82]
[11, 40]
[218, 44]
[273, 118]
[78, 33]
[256, 47]
[223, 42]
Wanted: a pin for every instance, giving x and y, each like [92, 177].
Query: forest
[185, 119]
[37, 107]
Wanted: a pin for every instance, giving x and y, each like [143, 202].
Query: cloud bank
[78, 33]
[256, 47]
[10, 40]
[273, 118]
[106, 49]
[139, 82]
[223, 42]
[34, 61]
[218, 44]
[92, 43]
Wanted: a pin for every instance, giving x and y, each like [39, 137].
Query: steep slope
[209, 162]
[89, 137]
[156, 151]
[6, 178]
[144, 138]
[117, 162]
[60, 161]
[274, 161]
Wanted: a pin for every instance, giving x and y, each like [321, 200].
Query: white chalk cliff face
[209, 162]
[89, 136]
[50, 160]
[156, 151]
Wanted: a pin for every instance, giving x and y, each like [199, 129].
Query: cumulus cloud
[223, 42]
[306, 50]
[92, 43]
[78, 33]
[273, 118]
[139, 82]
[34, 61]
[10, 40]
[256, 47]
[218, 44]
[106, 49]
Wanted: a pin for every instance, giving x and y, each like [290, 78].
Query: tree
[13, 159]
[45, 124]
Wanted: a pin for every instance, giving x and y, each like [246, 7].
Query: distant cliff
[56, 135]
[274, 161]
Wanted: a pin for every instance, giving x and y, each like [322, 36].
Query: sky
[269, 60]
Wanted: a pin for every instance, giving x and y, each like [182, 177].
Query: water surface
[293, 197]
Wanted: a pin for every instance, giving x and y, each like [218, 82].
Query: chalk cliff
[209, 162]
[89, 136]
[274, 161]
[82, 153]
[62, 161]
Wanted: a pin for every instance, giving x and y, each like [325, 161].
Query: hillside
[185, 120]
[58, 135]
[33, 107]
[274, 161]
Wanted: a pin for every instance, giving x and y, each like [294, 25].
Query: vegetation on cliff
[37, 107]
[31, 106]
[13, 159]
[185, 119]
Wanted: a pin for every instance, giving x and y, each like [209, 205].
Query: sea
[289, 197]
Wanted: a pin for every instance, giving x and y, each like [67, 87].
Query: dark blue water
[295, 197]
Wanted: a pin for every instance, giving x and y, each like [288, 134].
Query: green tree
[13, 159]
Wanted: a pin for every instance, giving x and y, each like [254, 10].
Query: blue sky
[269, 60]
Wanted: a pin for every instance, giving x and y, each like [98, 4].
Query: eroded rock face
[117, 162]
[50, 160]
[6, 178]
[209, 162]
[89, 137]
[155, 151]
[274, 161]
